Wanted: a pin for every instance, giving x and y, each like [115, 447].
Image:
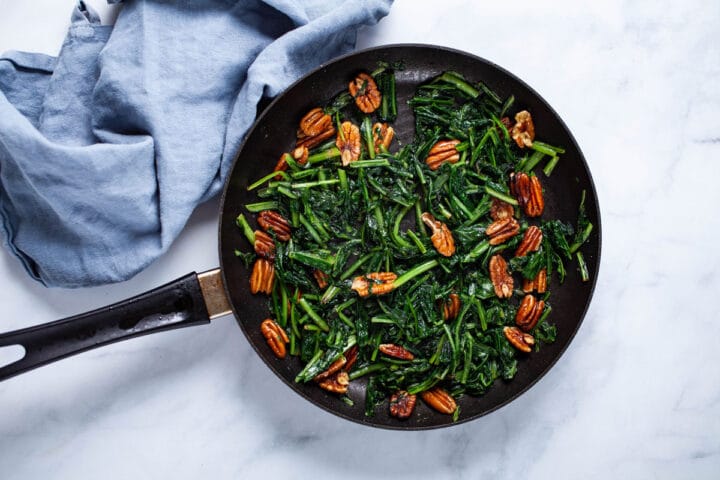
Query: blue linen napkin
[106, 150]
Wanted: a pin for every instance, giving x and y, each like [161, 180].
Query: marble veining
[637, 394]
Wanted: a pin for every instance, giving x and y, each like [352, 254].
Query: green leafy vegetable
[349, 222]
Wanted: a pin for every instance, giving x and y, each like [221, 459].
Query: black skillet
[196, 298]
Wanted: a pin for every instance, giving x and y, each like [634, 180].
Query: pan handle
[190, 300]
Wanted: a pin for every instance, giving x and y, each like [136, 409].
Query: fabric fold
[106, 150]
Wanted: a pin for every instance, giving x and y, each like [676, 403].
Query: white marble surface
[637, 395]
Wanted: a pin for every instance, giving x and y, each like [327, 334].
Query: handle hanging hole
[11, 354]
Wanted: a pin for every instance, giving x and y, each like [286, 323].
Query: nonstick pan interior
[274, 133]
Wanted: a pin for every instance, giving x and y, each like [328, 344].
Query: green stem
[585, 234]
[358, 263]
[267, 177]
[551, 166]
[370, 368]
[459, 83]
[479, 249]
[414, 272]
[532, 161]
[260, 206]
[417, 241]
[501, 196]
[584, 275]
[313, 315]
[324, 155]
[316, 183]
[311, 230]
[241, 222]
[380, 162]
[366, 129]
[546, 149]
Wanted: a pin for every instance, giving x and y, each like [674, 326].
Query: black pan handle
[180, 303]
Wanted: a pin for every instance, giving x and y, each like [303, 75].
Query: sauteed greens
[377, 253]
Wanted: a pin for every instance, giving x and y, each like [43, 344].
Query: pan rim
[581, 157]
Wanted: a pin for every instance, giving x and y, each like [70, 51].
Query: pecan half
[501, 230]
[500, 210]
[315, 122]
[519, 339]
[531, 241]
[501, 279]
[441, 237]
[395, 351]
[321, 278]
[536, 204]
[365, 91]
[539, 283]
[528, 192]
[523, 132]
[451, 307]
[262, 277]
[348, 142]
[338, 383]
[382, 136]
[272, 221]
[443, 151]
[376, 283]
[351, 354]
[334, 367]
[264, 245]
[275, 336]
[402, 404]
[528, 312]
[440, 400]
[315, 127]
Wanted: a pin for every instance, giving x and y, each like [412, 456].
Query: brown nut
[382, 136]
[315, 127]
[315, 122]
[539, 283]
[321, 278]
[440, 400]
[443, 151]
[280, 166]
[531, 241]
[351, 354]
[402, 404]
[500, 210]
[272, 221]
[528, 312]
[264, 245]
[348, 142]
[501, 279]
[376, 283]
[338, 383]
[395, 351]
[334, 367]
[536, 204]
[518, 339]
[441, 237]
[366, 93]
[451, 307]
[501, 230]
[523, 132]
[275, 336]
[262, 278]
[528, 192]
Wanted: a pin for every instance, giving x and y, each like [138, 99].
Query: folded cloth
[106, 150]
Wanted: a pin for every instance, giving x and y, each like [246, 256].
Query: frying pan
[197, 298]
